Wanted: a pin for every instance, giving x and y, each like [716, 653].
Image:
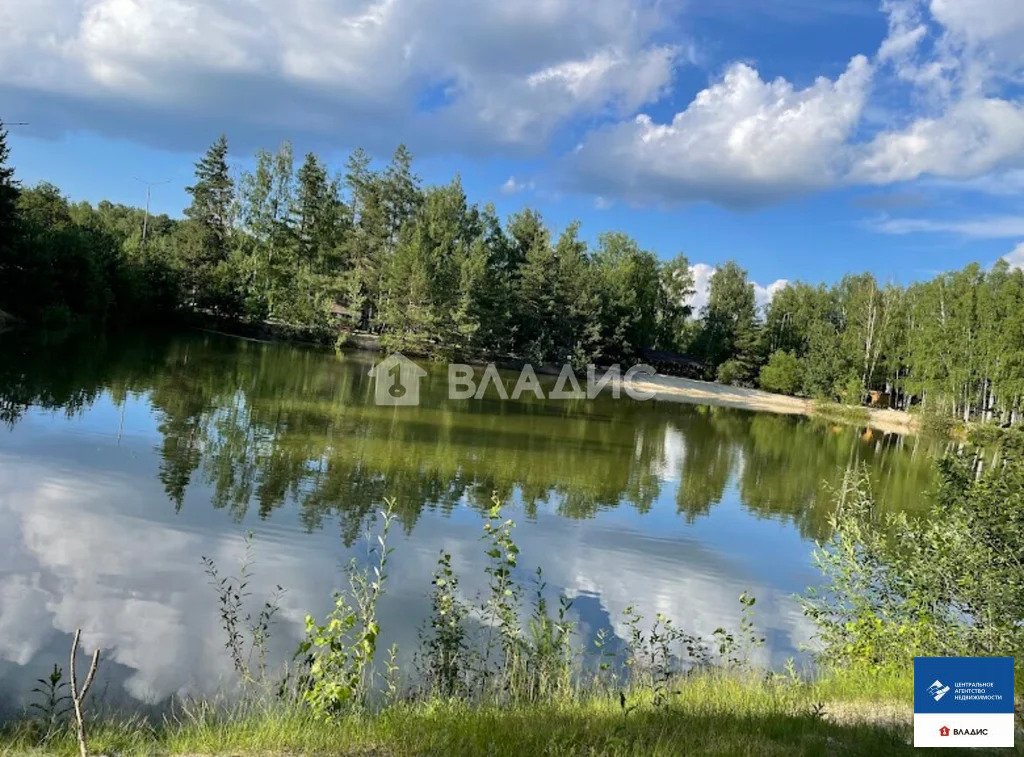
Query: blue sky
[803, 138]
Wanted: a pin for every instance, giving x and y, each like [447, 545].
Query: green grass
[713, 714]
[842, 413]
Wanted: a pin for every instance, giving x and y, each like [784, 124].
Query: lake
[124, 461]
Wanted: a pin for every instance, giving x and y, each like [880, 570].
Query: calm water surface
[124, 461]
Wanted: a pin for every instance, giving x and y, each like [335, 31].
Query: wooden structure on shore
[674, 363]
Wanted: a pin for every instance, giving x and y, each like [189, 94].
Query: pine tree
[729, 323]
[315, 208]
[536, 298]
[401, 193]
[522, 267]
[207, 274]
[408, 312]
[9, 191]
[631, 293]
[366, 248]
[213, 195]
[495, 292]
[424, 279]
[322, 224]
[577, 331]
[10, 280]
[472, 317]
[480, 317]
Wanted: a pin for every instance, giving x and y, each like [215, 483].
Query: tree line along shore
[371, 250]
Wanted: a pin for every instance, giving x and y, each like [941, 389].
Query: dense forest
[372, 249]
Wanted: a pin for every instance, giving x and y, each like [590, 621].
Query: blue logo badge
[963, 684]
[963, 701]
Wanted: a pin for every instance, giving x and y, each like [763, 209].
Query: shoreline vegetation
[509, 674]
[369, 249]
[666, 388]
[711, 714]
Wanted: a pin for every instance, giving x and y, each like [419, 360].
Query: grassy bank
[842, 413]
[706, 714]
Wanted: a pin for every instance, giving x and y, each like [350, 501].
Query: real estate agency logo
[947, 731]
[938, 690]
[964, 701]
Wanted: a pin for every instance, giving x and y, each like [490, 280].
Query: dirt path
[672, 389]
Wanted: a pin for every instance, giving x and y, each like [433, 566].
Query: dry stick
[76, 697]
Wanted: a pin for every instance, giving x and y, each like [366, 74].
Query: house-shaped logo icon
[944, 731]
[397, 381]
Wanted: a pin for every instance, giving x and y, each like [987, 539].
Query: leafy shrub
[782, 373]
[56, 317]
[246, 634]
[731, 372]
[445, 648]
[949, 584]
[501, 609]
[1001, 441]
[933, 418]
[340, 652]
[850, 390]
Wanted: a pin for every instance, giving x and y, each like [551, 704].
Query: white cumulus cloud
[953, 66]
[447, 72]
[1016, 256]
[968, 125]
[702, 273]
[741, 141]
[514, 186]
[937, 96]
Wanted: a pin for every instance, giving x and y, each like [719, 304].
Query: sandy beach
[672, 389]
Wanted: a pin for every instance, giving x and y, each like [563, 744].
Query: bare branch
[77, 698]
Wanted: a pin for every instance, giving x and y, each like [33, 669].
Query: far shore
[673, 389]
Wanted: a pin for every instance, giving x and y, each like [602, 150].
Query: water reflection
[114, 452]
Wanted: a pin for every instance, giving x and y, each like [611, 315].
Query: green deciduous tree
[951, 584]
[781, 373]
[674, 310]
